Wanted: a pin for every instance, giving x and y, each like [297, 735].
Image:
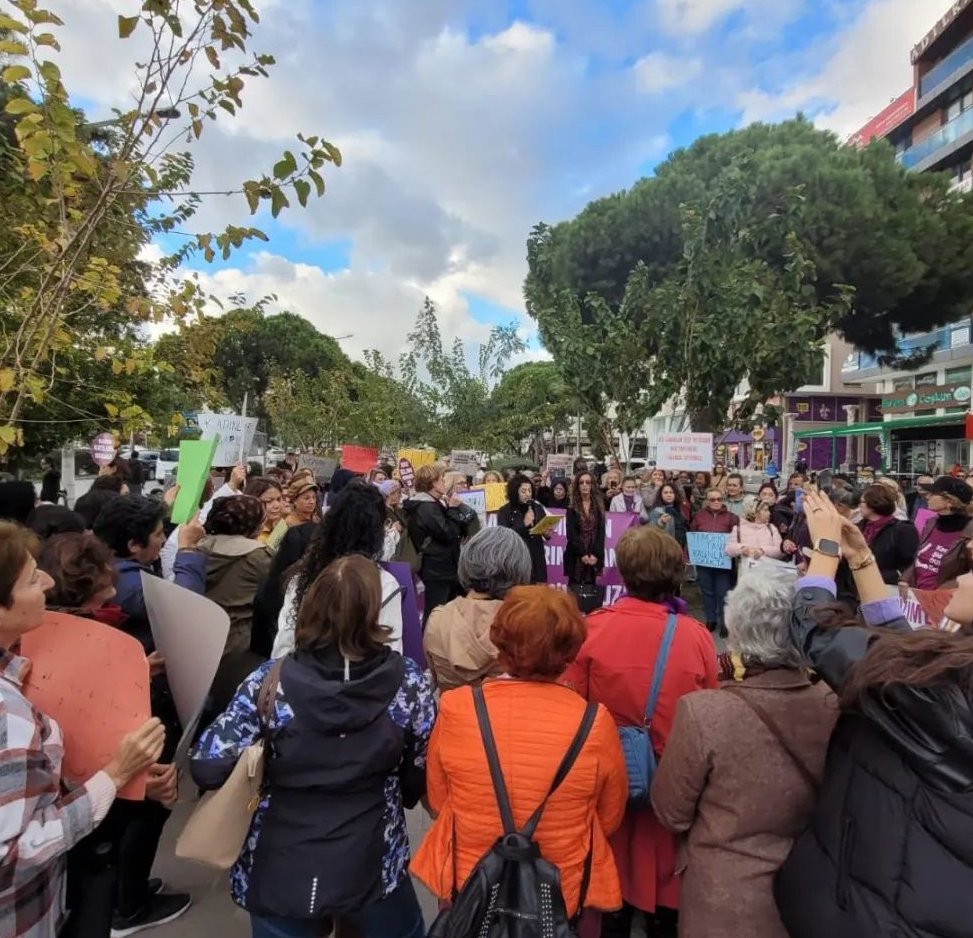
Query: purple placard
[616, 524]
[922, 518]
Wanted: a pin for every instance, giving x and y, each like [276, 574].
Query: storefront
[843, 447]
[755, 450]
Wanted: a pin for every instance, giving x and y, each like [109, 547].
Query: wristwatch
[828, 548]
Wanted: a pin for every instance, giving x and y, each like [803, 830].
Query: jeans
[396, 916]
[714, 584]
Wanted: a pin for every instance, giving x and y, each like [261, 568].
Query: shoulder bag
[218, 828]
[636, 741]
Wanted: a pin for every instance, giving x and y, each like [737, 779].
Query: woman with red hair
[537, 632]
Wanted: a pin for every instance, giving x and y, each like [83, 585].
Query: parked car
[166, 463]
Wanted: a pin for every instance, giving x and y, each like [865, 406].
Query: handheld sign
[94, 681]
[922, 518]
[195, 460]
[685, 452]
[407, 475]
[103, 449]
[708, 550]
[360, 459]
[465, 461]
[496, 494]
[418, 457]
[235, 433]
[547, 524]
[558, 466]
[476, 499]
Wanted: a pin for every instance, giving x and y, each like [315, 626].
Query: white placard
[235, 432]
[476, 499]
[685, 452]
[190, 631]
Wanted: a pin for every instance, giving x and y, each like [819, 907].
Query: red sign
[883, 123]
[360, 459]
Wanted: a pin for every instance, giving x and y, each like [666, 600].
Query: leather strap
[496, 773]
[764, 718]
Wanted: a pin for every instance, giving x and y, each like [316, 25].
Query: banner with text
[708, 550]
[233, 430]
[684, 452]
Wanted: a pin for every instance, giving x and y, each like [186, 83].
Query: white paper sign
[476, 499]
[465, 461]
[233, 429]
[685, 452]
[190, 631]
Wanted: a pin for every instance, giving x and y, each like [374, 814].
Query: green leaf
[21, 106]
[47, 39]
[9, 23]
[278, 201]
[303, 189]
[334, 154]
[286, 166]
[14, 73]
[251, 190]
[318, 181]
[126, 26]
[12, 47]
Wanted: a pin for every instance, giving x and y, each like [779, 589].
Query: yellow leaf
[8, 378]
[14, 73]
[126, 26]
[117, 367]
[101, 353]
[111, 410]
[8, 434]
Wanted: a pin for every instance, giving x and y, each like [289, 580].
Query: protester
[457, 636]
[42, 815]
[271, 497]
[720, 479]
[50, 481]
[537, 632]
[755, 537]
[82, 573]
[47, 520]
[349, 730]
[615, 667]
[889, 850]
[901, 509]
[437, 527]
[629, 500]
[556, 496]
[520, 514]
[735, 496]
[302, 494]
[943, 552]
[894, 542]
[354, 524]
[17, 500]
[90, 505]
[701, 485]
[611, 485]
[740, 815]
[584, 554]
[919, 499]
[670, 513]
[492, 477]
[714, 583]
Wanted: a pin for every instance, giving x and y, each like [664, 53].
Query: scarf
[875, 527]
[589, 524]
[630, 502]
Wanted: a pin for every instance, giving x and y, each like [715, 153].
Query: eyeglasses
[715, 498]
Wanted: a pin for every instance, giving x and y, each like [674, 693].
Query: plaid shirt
[38, 823]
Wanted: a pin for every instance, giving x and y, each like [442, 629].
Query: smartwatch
[828, 548]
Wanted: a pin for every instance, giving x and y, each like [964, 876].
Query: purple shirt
[929, 560]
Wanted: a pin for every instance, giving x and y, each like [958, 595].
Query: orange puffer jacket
[533, 723]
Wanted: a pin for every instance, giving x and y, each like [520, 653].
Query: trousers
[714, 584]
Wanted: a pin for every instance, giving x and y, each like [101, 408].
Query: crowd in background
[850, 814]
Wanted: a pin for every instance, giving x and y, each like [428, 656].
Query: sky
[463, 123]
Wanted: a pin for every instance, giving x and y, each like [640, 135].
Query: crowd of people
[814, 780]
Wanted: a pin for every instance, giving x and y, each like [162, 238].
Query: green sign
[929, 398]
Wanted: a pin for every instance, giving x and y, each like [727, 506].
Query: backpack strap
[496, 773]
[266, 697]
[660, 669]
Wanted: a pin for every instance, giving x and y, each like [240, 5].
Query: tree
[732, 263]
[68, 190]
[529, 401]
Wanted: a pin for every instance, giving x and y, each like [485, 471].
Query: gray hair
[494, 561]
[758, 617]
[846, 498]
[752, 506]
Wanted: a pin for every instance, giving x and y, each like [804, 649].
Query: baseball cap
[947, 485]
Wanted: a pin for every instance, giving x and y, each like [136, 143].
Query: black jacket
[436, 533]
[270, 594]
[894, 548]
[574, 570]
[889, 851]
[512, 516]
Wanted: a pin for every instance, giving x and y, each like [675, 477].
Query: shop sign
[929, 398]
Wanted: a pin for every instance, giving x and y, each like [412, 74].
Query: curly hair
[597, 506]
[241, 515]
[81, 567]
[354, 524]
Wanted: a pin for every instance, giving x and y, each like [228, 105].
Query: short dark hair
[47, 520]
[17, 546]
[80, 566]
[109, 484]
[91, 504]
[735, 475]
[513, 487]
[880, 498]
[17, 500]
[128, 518]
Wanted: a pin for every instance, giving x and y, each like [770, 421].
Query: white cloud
[661, 71]
[688, 17]
[866, 66]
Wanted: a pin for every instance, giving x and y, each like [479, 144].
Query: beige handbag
[217, 829]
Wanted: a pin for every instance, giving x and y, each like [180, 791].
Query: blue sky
[465, 122]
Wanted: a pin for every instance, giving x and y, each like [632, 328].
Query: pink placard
[922, 518]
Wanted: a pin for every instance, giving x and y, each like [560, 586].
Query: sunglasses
[715, 498]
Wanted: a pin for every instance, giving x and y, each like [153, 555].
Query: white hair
[758, 617]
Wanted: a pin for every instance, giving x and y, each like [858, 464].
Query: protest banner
[235, 433]
[360, 459]
[94, 681]
[558, 466]
[925, 609]
[323, 467]
[496, 494]
[103, 449]
[923, 516]
[684, 452]
[190, 631]
[476, 499]
[465, 461]
[418, 457]
[407, 475]
[708, 550]
[195, 461]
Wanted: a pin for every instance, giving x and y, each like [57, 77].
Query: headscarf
[388, 487]
[239, 514]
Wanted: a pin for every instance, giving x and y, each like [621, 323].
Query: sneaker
[156, 886]
[160, 910]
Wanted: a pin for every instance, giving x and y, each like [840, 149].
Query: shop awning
[909, 423]
[853, 429]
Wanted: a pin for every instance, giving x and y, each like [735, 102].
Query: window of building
[928, 379]
[959, 336]
[963, 375]
[953, 111]
[967, 100]
[903, 384]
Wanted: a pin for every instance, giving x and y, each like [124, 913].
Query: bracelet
[865, 561]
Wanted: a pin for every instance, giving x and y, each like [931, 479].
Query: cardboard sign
[496, 494]
[418, 457]
[235, 433]
[558, 466]
[361, 459]
[190, 631]
[465, 461]
[923, 516]
[476, 499]
[685, 452]
[323, 467]
[407, 475]
[195, 461]
[708, 550]
[103, 449]
[925, 609]
[94, 681]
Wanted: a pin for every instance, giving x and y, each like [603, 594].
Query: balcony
[939, 140]
[962, 185]
[949, 345]
[960, 57]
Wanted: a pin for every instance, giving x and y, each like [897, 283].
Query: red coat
[614, 667]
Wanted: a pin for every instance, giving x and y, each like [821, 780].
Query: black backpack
[513, 892]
